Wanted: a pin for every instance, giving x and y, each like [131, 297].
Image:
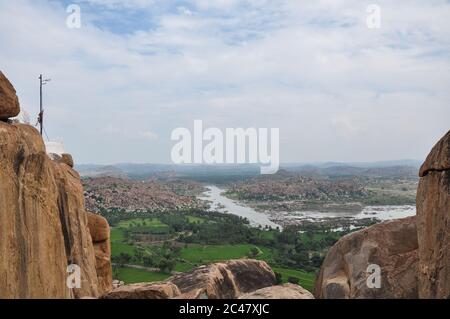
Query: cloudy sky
[137, 69]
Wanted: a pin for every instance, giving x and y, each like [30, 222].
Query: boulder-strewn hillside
[242, 278]
[43, 223]
[413, 253]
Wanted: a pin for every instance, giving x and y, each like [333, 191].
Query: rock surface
[43, 224]
[227, 280]
[100, 233]
[32, 254]
[164, 290]
[9, 102]
[67, 159]
[62, 159]
[392, 245]
[286, 291]
[433, 222]
[77, 237]
[413, 253]
[439, 157]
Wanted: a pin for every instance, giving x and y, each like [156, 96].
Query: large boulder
[433, 222]
[100, 233]
[9, 102]
[43, 223]
[439, 158]
[32, 252]
[67, 159]
[62, 159]
[391, 245]
[286, 291]
[225, 280]
[163, 290]
[74, 220]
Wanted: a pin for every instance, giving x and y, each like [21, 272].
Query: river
[223, 204]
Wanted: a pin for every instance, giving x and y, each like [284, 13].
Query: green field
[117, 243]
[199, 254]
[307, 279]
[183, 267]
[145, 225]
[195, 220]
[131, 275]
[193, 255]
[138, 222]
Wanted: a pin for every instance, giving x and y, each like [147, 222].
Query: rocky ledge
[44, 227]
[413, 253]
[242, 278]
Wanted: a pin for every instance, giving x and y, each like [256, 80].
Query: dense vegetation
[154, 245]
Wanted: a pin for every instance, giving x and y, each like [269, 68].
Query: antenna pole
[41, 111]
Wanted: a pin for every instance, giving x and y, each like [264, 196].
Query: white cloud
[337, 90]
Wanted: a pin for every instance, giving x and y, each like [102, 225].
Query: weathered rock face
[32, 254]
[433, 222]
[43, 225]
[286, 291]
[164, 290]
[391, 245]
[67, 159]
[439, 157]
[227, 280]
[9, 102]
[77, 238]
[100, 233]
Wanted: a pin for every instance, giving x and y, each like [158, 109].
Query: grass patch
[199, 254]
[144, 226]
[195, 220]
[132, 275]
[307, 279]
[118, 245]
[183, 267]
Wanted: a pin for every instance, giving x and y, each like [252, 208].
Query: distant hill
[229, 173]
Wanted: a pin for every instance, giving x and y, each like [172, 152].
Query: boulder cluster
[44, 227]
[233, 279]
[413, 253]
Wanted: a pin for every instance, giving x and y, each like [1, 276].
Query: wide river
[223, 204]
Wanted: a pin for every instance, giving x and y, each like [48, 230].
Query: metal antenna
[41, 110]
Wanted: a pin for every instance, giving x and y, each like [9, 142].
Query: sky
[137, 69]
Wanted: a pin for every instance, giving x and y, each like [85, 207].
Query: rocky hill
[413, 253]
[43, 223]
[109, 193]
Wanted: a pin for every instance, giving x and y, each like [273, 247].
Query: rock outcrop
[164, 290]
[77, 238]
[391, 245]
[413, 253]
[286, 291]
[43, 223]
[433, 222]
[32, 254]
[100, 233]
[9, 102]
[225, 280]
